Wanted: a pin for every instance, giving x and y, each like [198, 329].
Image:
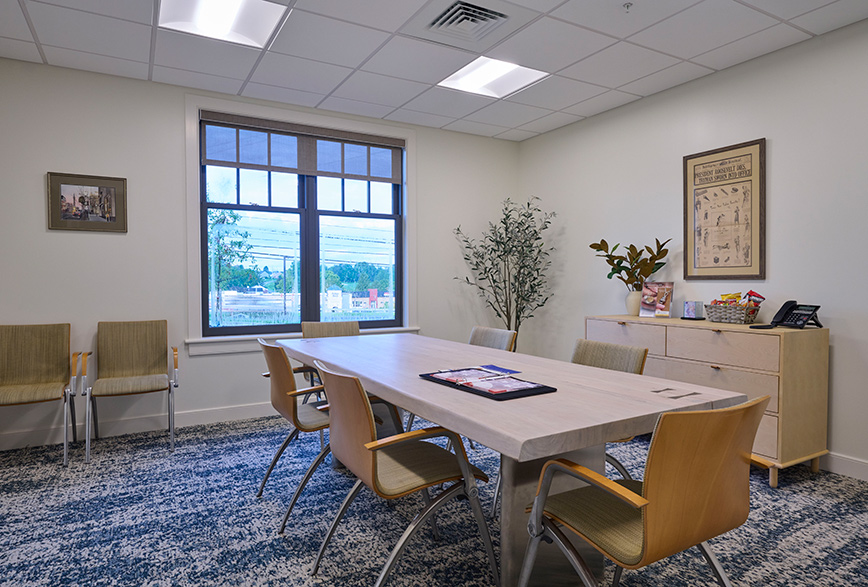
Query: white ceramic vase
[633, 300]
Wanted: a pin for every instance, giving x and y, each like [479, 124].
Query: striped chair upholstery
[325, 329]
[35, 367]
[495, 338]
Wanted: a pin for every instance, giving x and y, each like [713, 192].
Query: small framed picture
[87, 202]
[656, 299]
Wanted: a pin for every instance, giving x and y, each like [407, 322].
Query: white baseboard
[844, 465]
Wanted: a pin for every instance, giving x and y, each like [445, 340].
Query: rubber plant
[632, 266]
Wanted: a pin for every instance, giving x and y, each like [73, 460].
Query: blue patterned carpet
[139, 515]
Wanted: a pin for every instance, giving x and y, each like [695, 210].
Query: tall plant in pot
[509, 263]
[632, 266]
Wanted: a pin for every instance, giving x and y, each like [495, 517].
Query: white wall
[618, 176]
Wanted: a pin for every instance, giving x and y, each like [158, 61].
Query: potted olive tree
[632, 267]
[509, 263]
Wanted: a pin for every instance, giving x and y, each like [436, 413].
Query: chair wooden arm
[585, 474]
[324, 408]
[304, 369]
[760, 462]
[175, 357]
[412, 435]
[305, 391]
[267, 374]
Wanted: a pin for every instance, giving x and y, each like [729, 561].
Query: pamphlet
[488, 380]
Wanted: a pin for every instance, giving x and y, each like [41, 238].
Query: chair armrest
[73, 369]
[175, 378]
[412, 435]
[592, 477]
[304, 369]
[267, 374]
[760, 462]
[305, 391]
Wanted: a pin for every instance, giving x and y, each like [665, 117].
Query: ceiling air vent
[476, 26]
[467, 21]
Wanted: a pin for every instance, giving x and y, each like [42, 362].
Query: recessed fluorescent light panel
[493, 78]
[247, 22]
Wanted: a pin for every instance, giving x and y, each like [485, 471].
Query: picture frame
[656, 299]
[87, 202]
[724, 212]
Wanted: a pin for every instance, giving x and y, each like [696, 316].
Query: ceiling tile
[386, 15]
[550, 122]
[833, 16]
[475, 128]
[507, 114]
[538, 5]
[446, 102]
[763, 42]
[601, 103]
[788, 9]
[516, 135]
[613, 19]
[134, 10]
[417, 60]
[285, 95]
[192, 79]
[192, 53]
[555, 93]
[355, 107]
[379, 89]
[299, 74]
[314, 37]
[619, 64]
[21, 50]
[421, 118]
[98, 63]
[688, 33]
[13, 25]
[82, 31]
[668, 78]
[549, 45]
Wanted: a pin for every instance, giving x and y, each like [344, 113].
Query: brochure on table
[488, 381]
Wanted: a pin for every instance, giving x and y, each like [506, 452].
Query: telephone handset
[794, 315]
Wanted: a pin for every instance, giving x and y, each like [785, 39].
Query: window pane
[328, 156]
[254, 187]
[219, 143]
[221, 184]
[284, 189]
[253, 268]
[355, 159]
[328, 193]
[357, 269]
[254, 147]
[381, 162]
[381, 198]
[284, 151]
[356, 196]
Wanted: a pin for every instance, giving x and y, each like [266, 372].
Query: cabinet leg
[773, 477]
[815, 465]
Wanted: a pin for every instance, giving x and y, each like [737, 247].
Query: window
[298, 224]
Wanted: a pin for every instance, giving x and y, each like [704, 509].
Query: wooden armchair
[35, 367]
[696, 487]
[396, 466]
[131, 360]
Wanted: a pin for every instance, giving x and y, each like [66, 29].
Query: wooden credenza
[789, 365]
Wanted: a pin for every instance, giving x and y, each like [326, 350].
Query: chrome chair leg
[479, 515]
[307, 475]
[171, 406]
[718, 571]
[67, 401]
[72, 417]
[95, 423]
[618, 467]
[529, 560]
[497, 489]
[410, 419]
[616, 580]
[289, 438]
[569, 551]
[343, 509]
[88, 408]
[426, 498]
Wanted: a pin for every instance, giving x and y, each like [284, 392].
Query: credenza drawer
[724, 347]
[721, 377]
[650, 336]
[766, 443]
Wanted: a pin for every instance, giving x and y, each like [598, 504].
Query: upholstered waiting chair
[696, 487]
[292, 403]
[35, 368]
[132, 358]
[396, 466]
[616, 357]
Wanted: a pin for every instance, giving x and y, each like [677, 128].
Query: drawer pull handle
[622, 323]
[715, 367]
[717, 330]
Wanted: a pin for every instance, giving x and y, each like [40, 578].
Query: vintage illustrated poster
[724, 213]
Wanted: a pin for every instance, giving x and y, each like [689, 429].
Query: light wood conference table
[590, 407]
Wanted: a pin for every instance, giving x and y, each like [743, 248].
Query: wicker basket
[731, 314]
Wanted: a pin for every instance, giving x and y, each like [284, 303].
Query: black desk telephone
[794, 315]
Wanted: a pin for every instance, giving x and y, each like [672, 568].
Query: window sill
[230, 345]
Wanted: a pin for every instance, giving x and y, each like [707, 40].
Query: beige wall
[616, 176]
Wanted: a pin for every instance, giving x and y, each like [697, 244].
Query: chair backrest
[282, 380]
[607, 355]
[325, 329]
[351, 423]
[34, 353]
[495, 338]
[131, 349]
[697, 477]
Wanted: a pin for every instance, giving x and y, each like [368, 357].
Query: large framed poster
[724, 212]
